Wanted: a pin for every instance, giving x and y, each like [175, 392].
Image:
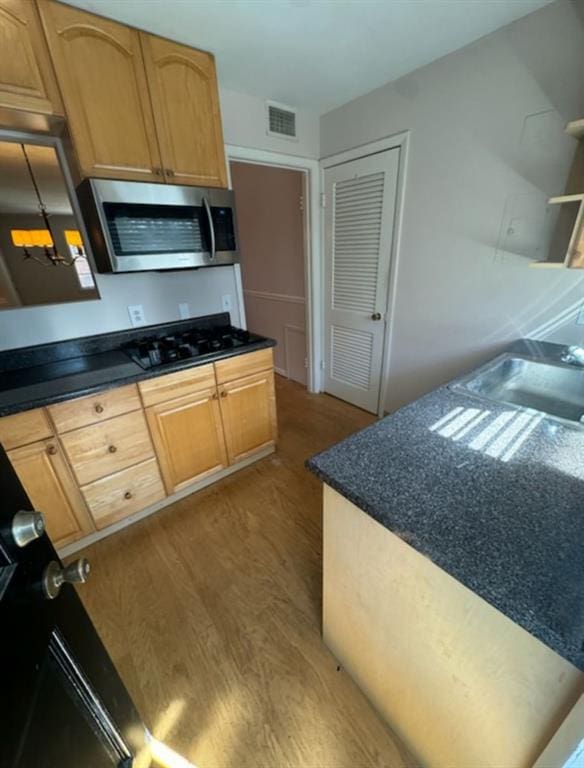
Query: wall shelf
[566, 247]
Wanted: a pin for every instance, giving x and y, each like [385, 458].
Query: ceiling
[317, 54]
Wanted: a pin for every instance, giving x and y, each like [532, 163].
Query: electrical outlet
[183, 310]
[137, 317]
[226, 302]
[580, 317]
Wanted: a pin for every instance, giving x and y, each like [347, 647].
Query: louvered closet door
[359, 215]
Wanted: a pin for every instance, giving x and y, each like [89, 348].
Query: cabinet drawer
[24, 428]
[102, 449]
[94, 408]
[178, 384]
[124, 493]
[244, 365]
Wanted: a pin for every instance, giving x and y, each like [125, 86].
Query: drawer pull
[99, 408]
[112, 449]
[128, 495]
[52, 450]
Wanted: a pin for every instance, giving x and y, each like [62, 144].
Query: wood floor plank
[211, 610]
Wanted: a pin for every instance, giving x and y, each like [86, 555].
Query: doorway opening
[272, 223]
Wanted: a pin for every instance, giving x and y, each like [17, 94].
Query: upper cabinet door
[101, 74]
[183, 88]
[27, 80]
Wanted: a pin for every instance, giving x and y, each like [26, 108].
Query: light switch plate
[183, 310]
[580, 316]
[137, 317]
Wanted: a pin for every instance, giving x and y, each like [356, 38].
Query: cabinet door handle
[169, 171]
[99, 408]
[112, 449]
[215, 396]
[128, 495]
[223, 393]
[157, 171]
[52, 450]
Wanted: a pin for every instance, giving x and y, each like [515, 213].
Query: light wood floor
[211, 610]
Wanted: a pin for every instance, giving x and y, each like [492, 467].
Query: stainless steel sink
[557, 390]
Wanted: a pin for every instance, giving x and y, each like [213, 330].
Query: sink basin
[557, 390]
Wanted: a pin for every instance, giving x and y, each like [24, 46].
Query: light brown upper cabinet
[183, 88]
[101, 74]
[27, 80]
[139, 107]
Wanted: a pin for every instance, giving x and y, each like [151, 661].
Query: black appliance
[156, 350]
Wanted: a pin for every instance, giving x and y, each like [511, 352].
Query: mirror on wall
[42, 254]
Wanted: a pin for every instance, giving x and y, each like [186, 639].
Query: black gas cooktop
[154, 351]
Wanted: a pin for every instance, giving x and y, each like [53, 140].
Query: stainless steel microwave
[134, 226]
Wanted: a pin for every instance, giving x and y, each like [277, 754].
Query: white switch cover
[580, 318]
[226, 302]
[137, 317]
[183, 310]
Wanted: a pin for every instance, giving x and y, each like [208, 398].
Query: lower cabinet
[116, 496]
[90, 462]
[188, 438]
[248, 410]
[44, 472]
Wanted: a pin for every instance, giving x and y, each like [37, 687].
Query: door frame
[312, 248]
[399, 141]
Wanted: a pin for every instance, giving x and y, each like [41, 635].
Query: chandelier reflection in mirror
[28, 239]
[43, 259]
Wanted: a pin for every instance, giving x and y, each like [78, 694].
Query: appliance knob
[54, 576]
[26, 527]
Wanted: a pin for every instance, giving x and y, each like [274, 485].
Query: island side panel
[457, 680]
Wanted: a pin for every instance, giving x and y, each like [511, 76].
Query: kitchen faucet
[573, 355]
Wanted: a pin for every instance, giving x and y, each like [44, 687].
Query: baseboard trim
[86, 541]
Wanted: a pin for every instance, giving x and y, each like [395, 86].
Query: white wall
[474, 163]
[244, 125]
[159, 293]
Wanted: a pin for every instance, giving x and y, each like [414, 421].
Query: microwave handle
[211, 228]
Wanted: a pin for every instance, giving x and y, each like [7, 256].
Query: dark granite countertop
[31, 377]
[491, 493]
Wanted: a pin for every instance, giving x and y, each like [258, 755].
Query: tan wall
[271, 232]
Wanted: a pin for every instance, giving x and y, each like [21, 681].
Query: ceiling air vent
[281, 121]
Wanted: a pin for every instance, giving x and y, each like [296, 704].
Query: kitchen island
[454, 575]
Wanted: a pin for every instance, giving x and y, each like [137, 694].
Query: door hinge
[322, 200]
[301, 202]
